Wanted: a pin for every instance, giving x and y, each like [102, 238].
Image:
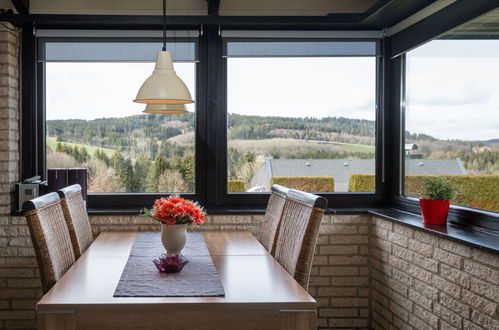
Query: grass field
[52, 144]
[290, 146]
[355, 147]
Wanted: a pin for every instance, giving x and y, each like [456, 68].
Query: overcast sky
[452, 88]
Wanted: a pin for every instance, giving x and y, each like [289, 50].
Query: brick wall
[421, 281]
[19, 287]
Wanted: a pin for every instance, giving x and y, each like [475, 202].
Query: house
[342, 169]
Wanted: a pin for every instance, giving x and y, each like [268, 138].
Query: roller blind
[300, 43]
[269, 48]
[113, 46]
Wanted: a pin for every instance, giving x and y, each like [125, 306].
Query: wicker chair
[76, 216]
[273, 215]
[50, 236]
[298, 233]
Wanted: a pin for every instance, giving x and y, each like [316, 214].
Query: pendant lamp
[165, 109]
[164, 86]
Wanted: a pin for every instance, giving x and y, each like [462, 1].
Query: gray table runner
[141, 278]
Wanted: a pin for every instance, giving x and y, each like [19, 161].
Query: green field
[293, 146]
[356, 147]
[52, 144]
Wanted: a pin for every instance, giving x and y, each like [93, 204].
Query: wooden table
[259, 293]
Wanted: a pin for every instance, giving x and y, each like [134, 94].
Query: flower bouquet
[175, 213]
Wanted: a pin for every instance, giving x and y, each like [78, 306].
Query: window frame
[467, 217]
[111, 202]
[211, 141]
[336, 200]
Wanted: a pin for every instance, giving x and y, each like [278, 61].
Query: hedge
[236, 186]
[477, 191]
[305, 183]
[361, 183]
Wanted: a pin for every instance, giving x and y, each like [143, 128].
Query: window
[91, 121]
[452, 119]
[215, 154]
[301, 114]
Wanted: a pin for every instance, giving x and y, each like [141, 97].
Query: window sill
[485, 240]
[218, 211]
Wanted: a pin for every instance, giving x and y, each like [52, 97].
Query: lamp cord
[164, 25]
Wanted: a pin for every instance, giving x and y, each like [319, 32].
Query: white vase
[174, 238]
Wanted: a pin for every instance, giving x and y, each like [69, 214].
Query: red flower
[176, 210]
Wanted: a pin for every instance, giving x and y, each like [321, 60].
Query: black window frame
[467, 217]
[112, 202]
[211, 143]
[336, 200]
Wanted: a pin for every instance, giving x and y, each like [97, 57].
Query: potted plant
[175, 214]
[437, 193]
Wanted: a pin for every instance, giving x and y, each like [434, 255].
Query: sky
[452, 88]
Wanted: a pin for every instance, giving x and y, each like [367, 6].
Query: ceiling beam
[388, 13]
[213, 7]
[22, 6]
[337, 21]
[442, 21]
[378, 6]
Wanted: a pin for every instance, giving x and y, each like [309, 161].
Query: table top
[249, 274]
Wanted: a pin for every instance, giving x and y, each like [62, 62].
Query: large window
[301, 114]
[282, 108]
[452, 119]
[91, 121]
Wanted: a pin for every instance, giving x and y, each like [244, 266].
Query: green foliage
[237, 159]
[438, 188]
[476, 191]
[102, 155]
[117, 132]
[305, 183]
[485, 162]
[255, 127]
[362, 183]
[235, 186]
[80, 154]
[186, 166]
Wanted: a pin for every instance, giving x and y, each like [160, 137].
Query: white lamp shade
[165, 109]
[164, 86]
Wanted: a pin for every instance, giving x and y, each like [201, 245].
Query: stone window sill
[485, 240]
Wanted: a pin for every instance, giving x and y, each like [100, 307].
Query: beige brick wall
[422, 281]
[19, 285]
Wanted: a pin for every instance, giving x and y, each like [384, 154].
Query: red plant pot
[434, 211]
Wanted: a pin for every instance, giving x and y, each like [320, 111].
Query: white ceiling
[200, 7]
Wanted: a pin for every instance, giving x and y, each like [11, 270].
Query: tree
[171, 181]
[159, 166]
[186, 166]
[141, 169]
[102, 179]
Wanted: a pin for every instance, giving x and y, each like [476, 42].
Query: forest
[155, 153]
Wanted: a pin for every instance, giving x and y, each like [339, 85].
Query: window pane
[452, 119]
[303, 122]
[93, 123]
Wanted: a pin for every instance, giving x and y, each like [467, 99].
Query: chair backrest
[298, 232]
[273, 215]
[50, 236]
[76, 216]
